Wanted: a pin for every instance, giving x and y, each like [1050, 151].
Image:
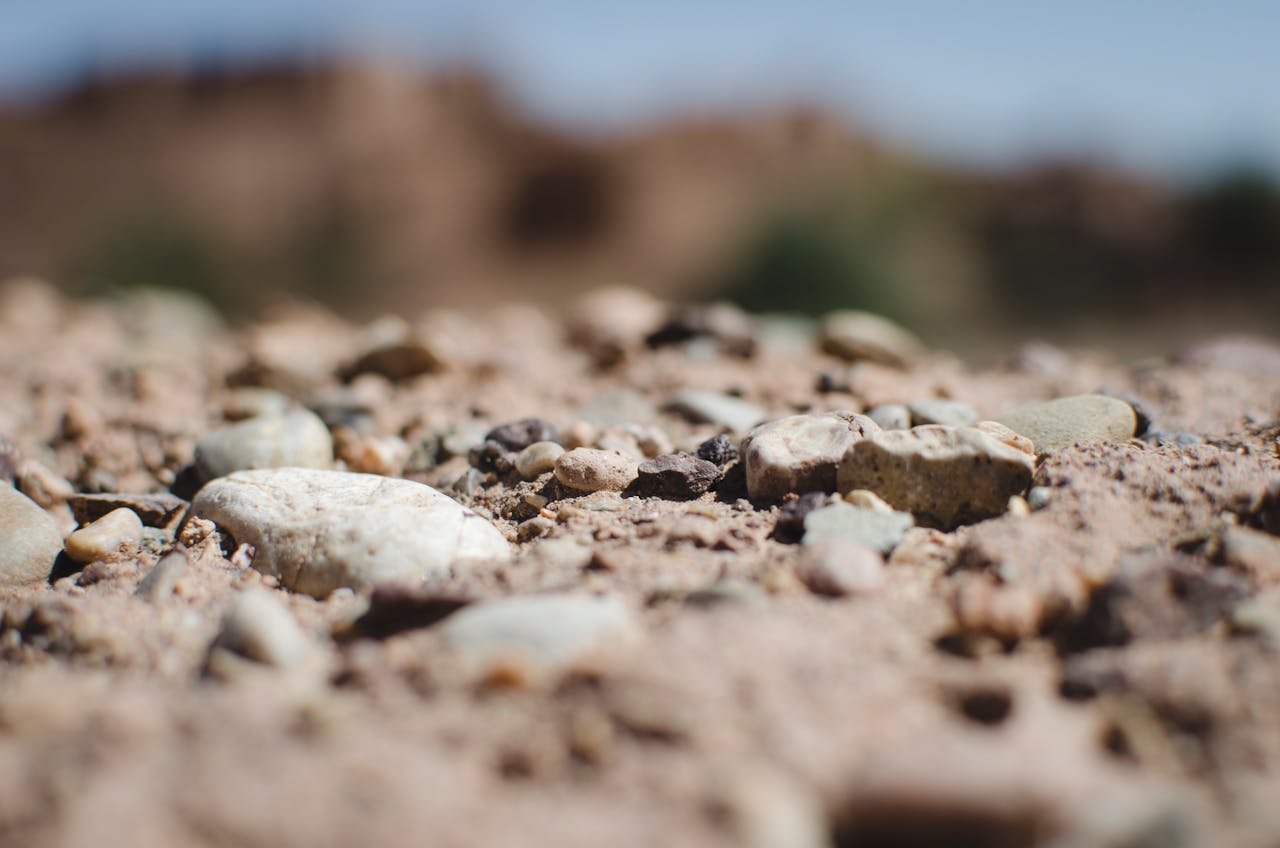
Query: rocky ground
[683, 577]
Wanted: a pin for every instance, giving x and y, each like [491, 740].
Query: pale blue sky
[1165, 85]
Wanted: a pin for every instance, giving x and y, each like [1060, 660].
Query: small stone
[868, 527]
[945, 476]
[703, 407]
[393, 349]
[317, 531]
[953, 413]
[43, 485]
[1038, 497]
[891, 416]
[675, 477]
[854, 335]
[837, 567]
[592, 470]
[1001, 433]
[259, 628]
[395, 608]
[800, 453]
[29, 540]
[113, 536]
[297, 440]
[538, 634]
[791, 514]
[610, 322]
[731, 330]
[1071, 420]
[460, 439]
[163, 578]
[154, 510]
[254, 402]
[1171, 438]
[370, 454]
[718, 449]
[537, 459]
[534, 528]
[492, 457]
[518, 435]
[864, 499]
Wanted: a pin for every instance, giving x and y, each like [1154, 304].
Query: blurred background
[1092, 171]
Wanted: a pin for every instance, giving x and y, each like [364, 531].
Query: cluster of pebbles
[647, 574]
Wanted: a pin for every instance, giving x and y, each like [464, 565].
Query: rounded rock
[838, 567]
[800, 453]
[317, 531]
[297, 440]
[593, 470]
[1071, 420]
[537, 459]
[258, 627]
[29, 540]
[114, 535]
[518, 435]
[675, 477]
[855, 335]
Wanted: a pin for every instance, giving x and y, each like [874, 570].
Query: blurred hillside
[371, 188]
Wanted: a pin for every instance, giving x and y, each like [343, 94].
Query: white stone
[800, 453]
[592, 470]
[317, 531]
[258, 627]
[297, 440]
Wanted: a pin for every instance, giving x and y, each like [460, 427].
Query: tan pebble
[591, 470]
[537, 459]
[115, 534]
[868, 500]
[1001, 433]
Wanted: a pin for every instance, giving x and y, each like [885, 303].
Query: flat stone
[871, 528]
[1001, 433]
[538, 633]
[258, 627]
[163, 578]
[297, 440]
[704, 407]
[953, 413]
[837, 567]
[159, 510]
[1071, 420]
[593, 470]
[29, 540]
[675, 477]
[317, 531]
[800, 453]
[945, 476]
[891, 416]
[114, 535]
[537, 459]
[854, 336]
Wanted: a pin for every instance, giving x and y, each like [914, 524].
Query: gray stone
[1070, 420]
[317, 531]
[854, 335]
[871, 528]
[518, 435]
[839, 567]
[258, 627]
[800, 453]
[29, 540]
[891, 416]
[155, 510]
[537, 459]
[297, 440]
[1038, 497]
[541, 633]
[945, 476]
[953, 413]
[675, 477]
[112, 536]
[592, 470]
[163, 578]
[703, 407]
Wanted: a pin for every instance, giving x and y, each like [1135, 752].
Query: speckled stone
[854, 335]
[29, 540]
[800, 453]
[1070, 420]
[593, 470]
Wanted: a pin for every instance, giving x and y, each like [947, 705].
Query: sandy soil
[1101, 671]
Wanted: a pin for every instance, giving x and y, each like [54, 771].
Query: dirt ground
[1102, 670]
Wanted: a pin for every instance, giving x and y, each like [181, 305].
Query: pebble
[953, 413]
[837, 567]
[157, 510]
[384, 455]
[867, 500]
[258, 627]
[518, 435]
[43, 485]
[537, 459]
[800, 453]
[609, 322]
[317, 531]
[704, 407]
[854, 335]
[791, 514]
[29, 540]
[1001, 433]
[945, 476]
[871, 528]
[891, 416]
[534, 528]
[593, 470]
[675, 477]
[297, 440]
[539, 634]
[718, 449]
[1038, 497]
[114, 535]
[163, 578]
[254, 402]
[1065, 421]
[393, 349]
[1171, 438]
